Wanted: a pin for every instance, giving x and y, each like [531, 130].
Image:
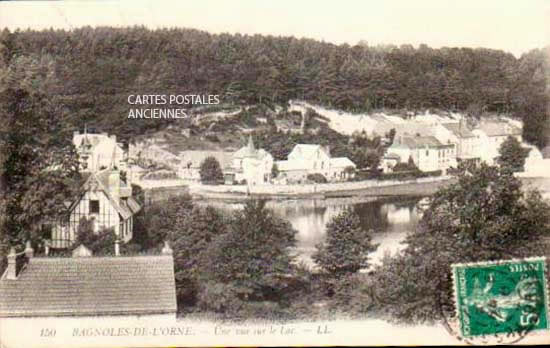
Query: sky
[516, 26]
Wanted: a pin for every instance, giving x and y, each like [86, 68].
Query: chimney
[11, 271]
[114, 184]
[29, 251]
[117, 247]
[327, 149]
[166, 250]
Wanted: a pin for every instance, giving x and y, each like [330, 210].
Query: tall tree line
[91, 71]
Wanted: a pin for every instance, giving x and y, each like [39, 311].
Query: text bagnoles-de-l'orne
[163, 99]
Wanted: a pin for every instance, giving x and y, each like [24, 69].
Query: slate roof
[456, 129]
[90, 286]
[414, 142]
[499, 128]
[308, 151]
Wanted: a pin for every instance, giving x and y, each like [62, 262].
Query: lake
[389, 218]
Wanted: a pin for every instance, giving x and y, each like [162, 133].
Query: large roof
[456, 129]
[498, 128]
[90, 286]
[414, 142]
[308, 151]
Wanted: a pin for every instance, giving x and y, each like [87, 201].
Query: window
[47, 231]
[94, 207]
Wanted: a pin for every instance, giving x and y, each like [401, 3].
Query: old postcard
[290, 173]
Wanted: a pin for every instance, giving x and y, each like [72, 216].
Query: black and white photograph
[259, 173]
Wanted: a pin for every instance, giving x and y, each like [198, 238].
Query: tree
[101, 243]
[193, 232]
[484, 216]
[512, 155]
[211, 171]
[250, 262]
[347, 246]
[39, 168]
[156, 222]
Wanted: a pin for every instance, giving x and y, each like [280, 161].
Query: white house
[98, 151]
[305, 159]
[465, 141]
[427, 153]
[251, 164]
[490, 135]
[105, 200]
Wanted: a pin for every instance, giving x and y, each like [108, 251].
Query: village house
[250, 165]
[491, 134]
[105, 200]
[467, 147]
[84, 287]
[190, 162]
[306, 159]
[427, 153]
[98, 151]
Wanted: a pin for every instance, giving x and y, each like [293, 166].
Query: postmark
[501, 297]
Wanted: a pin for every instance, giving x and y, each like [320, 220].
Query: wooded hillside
[91, 72]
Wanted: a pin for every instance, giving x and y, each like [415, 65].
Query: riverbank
[416, 187]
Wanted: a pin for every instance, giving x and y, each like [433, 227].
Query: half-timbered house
[106, 201]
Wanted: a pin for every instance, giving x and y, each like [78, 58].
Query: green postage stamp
[501, 297]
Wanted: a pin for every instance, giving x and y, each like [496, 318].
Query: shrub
[100, 243]
[317, 178]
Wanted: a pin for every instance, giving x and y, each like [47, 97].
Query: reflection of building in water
[309, 221]
[397, 215]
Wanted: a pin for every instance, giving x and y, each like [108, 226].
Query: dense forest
[91, 72]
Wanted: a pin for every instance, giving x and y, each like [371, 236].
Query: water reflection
[390, 219]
